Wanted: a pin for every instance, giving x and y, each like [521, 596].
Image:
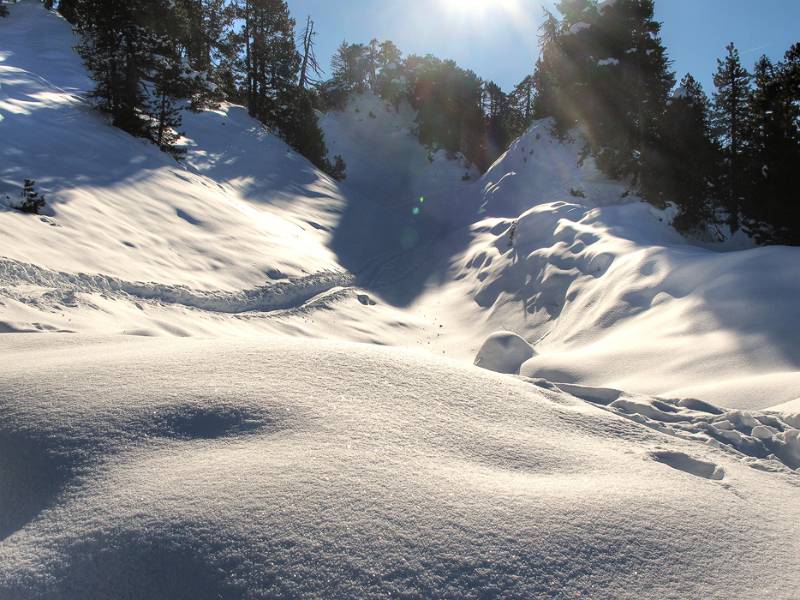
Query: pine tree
[729, 121]
[497, 111]
[201, 31]
[31, 202]
[521, 106]
[69, 10]
[391, 83]
[269, 71]
[112, 45]
[448, 101]
[167, 86]
[772, 211]
[372, 57]
[271, 60]
[683, 169]
[350, 67]
[631, 81]
[130, 50]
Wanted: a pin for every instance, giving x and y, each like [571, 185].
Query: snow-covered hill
[134, 242]
[610, 295]
[269, 456]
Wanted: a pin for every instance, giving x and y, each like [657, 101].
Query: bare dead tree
[310, 64]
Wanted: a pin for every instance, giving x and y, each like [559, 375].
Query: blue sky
[501, 45]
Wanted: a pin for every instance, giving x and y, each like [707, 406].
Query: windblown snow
[233, 377]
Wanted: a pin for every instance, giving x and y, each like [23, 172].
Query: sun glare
[478, 7]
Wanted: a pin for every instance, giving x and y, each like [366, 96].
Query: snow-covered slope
[134, 242]
[223, 469]
[242, 206]
[610, 295]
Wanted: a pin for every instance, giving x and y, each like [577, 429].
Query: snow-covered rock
[504, 352]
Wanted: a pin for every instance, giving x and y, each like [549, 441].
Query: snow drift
[280, 468]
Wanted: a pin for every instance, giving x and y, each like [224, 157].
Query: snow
[606, 62]
[112, 199]
[504, 352]
[611, 296]
[234, 377]
[578, 27]
[400, 474]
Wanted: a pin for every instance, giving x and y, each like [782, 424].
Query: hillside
[234, 377]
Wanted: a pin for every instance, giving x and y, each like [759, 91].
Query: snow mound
[278, 468]
[504, 352]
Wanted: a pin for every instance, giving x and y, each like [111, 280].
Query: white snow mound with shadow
[504, 352]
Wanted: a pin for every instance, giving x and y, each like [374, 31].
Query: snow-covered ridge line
[766, 440]
[277, 296]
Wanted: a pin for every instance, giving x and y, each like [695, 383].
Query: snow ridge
[281, 295]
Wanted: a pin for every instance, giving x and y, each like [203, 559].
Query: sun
[477, 7]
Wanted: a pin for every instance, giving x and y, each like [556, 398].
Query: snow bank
[540, 168]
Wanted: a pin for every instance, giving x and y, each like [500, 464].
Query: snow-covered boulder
[504, 352]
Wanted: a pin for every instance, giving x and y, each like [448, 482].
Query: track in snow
[767, 440]
[282, 295]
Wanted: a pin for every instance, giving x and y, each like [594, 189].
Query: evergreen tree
[683, 169]
[350, 67]
[448, 103]
[300, 129]
[391, 80]
[271, 60]
[772, 209]
[631, 81]
[373, 54]
[112, 46]
[31, 202]
[521, 106]
[269, 70]
[167, 85]
[729, 119]
[201, 28]
[69, 10]
[497, 111]
[130, 52]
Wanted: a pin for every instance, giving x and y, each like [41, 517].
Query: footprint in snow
[693, 466]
